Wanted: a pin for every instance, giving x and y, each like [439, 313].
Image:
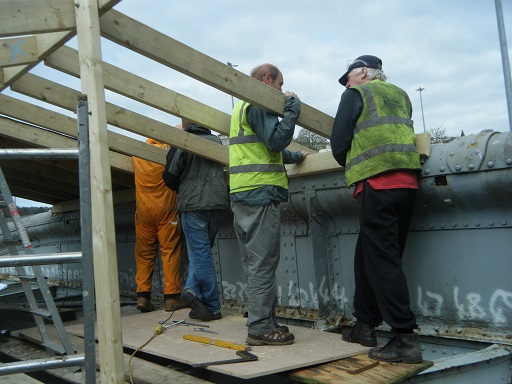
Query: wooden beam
[24, 17]
[120, 197]
[33, 114]
[314, 163]
[16, 51]
[140, 38]
[106, 278]
[65, 59]
[324, 162]
[47, 43]
[42, 138]
[64, 97]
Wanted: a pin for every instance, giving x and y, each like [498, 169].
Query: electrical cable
[158, 330]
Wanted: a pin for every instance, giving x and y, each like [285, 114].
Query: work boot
[404, 347]
[144, 305]
[360, 333]
[171, 305]
[199, 310]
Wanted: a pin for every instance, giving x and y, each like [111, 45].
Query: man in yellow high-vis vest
[258, 184]
[373, 138]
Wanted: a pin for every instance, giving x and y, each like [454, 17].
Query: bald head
[262, 70]
[268, 74]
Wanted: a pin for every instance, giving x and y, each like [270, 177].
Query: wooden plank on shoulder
[140, 38]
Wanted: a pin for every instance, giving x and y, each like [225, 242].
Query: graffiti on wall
[497, 308]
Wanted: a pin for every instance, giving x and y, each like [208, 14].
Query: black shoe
[216, 316]
[404, 347]
[199, 310]
[283, 328]
[276, 337]
[360, 333]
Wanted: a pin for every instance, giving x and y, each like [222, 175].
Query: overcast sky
[450, 48]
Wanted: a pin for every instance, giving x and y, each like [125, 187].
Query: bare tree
[311, 140]
[438, 134]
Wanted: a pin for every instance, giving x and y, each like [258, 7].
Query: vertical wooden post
[103, 229]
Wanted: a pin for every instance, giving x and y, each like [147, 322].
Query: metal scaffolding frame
[88, 359]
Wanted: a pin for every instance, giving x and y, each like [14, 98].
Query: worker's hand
[288, 93]
[304, 153]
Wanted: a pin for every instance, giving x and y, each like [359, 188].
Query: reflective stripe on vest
[252, 165]
[382, 141]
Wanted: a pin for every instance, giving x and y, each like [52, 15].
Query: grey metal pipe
[41, 364]
[40, 259]
[38, 153]
[504, 59]
[84, 165]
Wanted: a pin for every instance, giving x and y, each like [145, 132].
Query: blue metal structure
[458, 258]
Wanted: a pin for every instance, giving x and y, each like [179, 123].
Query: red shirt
[391, 180]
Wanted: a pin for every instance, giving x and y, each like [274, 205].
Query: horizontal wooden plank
[19, 50]
[42, 138]
[33, 114]
[24, 17]
[65, 59]
[65, 97]
[47, 42]
[324, 162]
[140, 38]
[314, 163]
[358, 369]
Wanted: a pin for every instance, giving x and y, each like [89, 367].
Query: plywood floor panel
[311, 346]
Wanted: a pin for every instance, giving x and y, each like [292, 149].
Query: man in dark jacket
[202, 196]
[373, 138]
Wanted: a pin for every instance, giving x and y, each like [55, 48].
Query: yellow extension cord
[158, 330]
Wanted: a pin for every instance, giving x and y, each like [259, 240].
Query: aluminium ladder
[29, 275]
[88, 359]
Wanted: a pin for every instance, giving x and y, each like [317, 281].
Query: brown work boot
[360, 333]
[276, 337]
[144, 305]
[171, 305]
[404, 347]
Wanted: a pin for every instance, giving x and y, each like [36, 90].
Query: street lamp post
[421, 103]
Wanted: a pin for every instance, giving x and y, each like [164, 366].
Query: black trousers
[381, 292]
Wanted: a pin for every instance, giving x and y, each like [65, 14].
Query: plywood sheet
[311, 346]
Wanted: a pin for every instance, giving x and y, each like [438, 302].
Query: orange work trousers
[154, 229]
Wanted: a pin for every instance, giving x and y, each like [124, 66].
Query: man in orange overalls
[156, 224]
